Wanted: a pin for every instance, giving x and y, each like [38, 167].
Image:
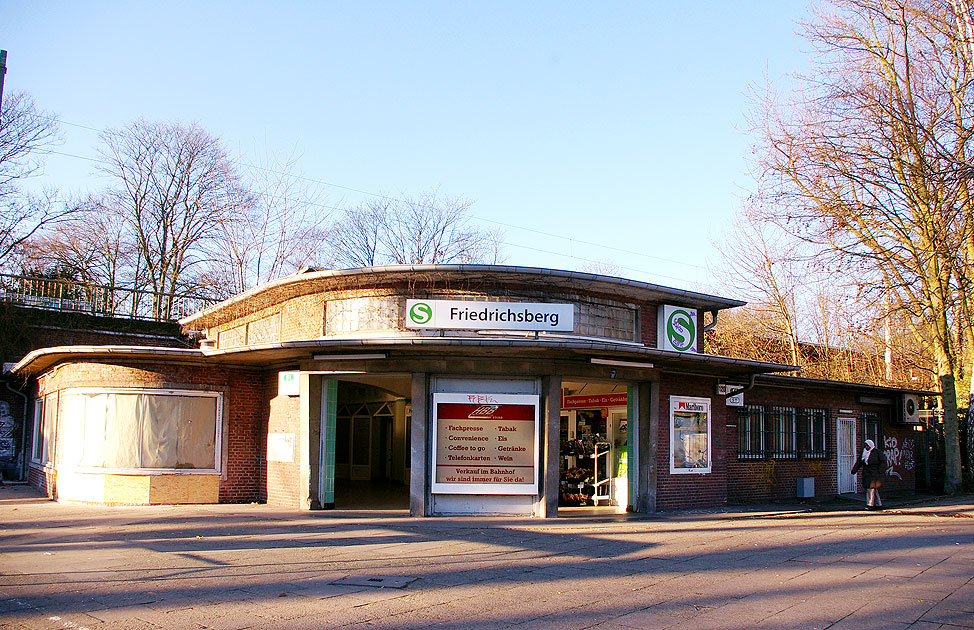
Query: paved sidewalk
[227, 567]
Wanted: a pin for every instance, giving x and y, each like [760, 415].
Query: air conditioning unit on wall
[910, 409]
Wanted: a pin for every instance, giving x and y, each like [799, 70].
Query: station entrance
[372, 435]
[594, 451]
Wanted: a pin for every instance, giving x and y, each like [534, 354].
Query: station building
[451, 389]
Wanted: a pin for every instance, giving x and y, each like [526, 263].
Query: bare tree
[426, 230]
[25, 135]
[92, 247]
[174, 186]
[603, 267]
[870, 162]
[275, 227]
[761, 264]
[355, 240]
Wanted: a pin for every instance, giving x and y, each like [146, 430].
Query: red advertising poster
[485, 444]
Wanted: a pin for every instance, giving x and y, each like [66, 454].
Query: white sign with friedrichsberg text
[469, 315]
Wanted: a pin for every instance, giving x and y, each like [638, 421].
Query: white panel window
[141, 429]
[363, 314]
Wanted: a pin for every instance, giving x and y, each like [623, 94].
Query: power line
[406, 201]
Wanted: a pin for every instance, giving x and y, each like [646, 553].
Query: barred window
[750, 428]
[811, 433]
[782, 433]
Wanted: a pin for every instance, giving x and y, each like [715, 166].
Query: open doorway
[372, 444]
[594, 452]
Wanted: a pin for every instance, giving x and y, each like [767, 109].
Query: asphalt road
[227, 567]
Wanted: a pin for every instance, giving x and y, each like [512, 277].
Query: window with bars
[750, 427]
[811, 433]
[781, 432]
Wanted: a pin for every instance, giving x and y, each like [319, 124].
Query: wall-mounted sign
[737, 400]
[288, 384]
[464, 315]
[280, 447]
[485, 444]
[595, 400]
[677, 330]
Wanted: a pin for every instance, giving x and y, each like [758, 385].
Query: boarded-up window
[172, 430]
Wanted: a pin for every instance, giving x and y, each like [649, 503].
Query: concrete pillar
[647, 440]
[309, 426]
[419, 497]
[550, 445]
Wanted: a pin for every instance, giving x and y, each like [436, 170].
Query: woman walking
[871, 466]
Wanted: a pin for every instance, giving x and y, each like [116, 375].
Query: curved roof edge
[43, 358]
[570, 279]
[40, 360]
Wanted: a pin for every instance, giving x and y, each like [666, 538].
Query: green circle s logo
[681, 330]
[421, 313]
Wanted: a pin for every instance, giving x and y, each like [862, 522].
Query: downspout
[712, 324]
[735, 392]
[23, 431]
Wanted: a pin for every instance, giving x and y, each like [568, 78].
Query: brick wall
[771, 480]
[648, 325]
[775, 479]
[27, 329]
[680, 491]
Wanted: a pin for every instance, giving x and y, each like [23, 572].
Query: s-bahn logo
[420, 313]
[678, 329]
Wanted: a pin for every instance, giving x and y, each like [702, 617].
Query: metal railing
[107, 301]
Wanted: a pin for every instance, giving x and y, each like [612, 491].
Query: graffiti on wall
[898, 456]
[8, 424]
[762, 475]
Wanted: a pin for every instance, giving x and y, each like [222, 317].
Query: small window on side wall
[37, 437]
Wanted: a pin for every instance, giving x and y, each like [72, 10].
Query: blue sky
[606, 131]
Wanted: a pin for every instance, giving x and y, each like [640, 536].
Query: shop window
[750, 429]
[140, 430]
[781, 432]
[812, 433]
[689, 435]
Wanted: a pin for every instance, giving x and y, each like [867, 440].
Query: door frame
[843, 469]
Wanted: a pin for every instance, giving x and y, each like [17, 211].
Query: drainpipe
[735, 392]
[712, 324]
